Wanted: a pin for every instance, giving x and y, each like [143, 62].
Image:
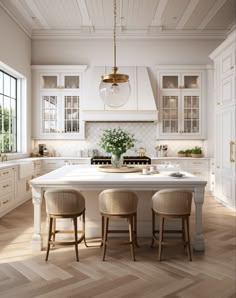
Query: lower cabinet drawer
[5, 173]
[6, 186]
[6, 201]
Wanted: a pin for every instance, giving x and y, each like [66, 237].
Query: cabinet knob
[218, 103]
[232, 67]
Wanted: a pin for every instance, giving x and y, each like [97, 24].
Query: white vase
[117, 160]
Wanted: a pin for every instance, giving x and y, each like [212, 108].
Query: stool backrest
[172, 201]
[118, 201]
[64, 201]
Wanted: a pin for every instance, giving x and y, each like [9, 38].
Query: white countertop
[89, 176]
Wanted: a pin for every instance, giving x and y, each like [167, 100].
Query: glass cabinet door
[49, 114]
[49, 81]
[191, 114]
[170, 81]
[71, 81]
[191, 81]
[170, 107]
[71, 114]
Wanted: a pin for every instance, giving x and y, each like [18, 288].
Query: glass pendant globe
[114, 95]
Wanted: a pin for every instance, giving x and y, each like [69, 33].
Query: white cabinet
[141, 105]
[58, 95]
[225, 123]
[7, 189]
[180, 95]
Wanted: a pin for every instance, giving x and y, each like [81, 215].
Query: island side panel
[37, 240]
[198, 239]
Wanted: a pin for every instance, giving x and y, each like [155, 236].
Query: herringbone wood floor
[210, 275]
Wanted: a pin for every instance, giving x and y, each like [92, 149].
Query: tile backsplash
[145, 134]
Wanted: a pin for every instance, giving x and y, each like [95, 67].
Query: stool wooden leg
[183, 231]
[83, 228]
[102, 229]
[153, 228]
[76, 238]
[131, 236]
[54, 231]
[135, 229]
[105, 232]
[188, 239]
[49, 236]
[160, 236]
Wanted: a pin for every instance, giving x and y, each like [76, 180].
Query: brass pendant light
[114, 87]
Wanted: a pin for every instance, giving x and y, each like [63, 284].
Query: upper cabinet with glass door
[180, 96]
[180, 81]
[67, 81]
[58, 92]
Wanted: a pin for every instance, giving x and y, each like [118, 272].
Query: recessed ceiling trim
[215, 8]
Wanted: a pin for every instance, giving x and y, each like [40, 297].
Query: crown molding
[130, 34]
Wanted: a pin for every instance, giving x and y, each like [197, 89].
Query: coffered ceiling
[135, 18]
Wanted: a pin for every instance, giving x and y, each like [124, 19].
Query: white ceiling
[135, 18]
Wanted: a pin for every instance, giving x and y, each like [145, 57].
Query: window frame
[14, 134]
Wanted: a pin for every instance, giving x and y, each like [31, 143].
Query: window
[8, 113]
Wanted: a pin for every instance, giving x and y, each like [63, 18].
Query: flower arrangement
[116, 141]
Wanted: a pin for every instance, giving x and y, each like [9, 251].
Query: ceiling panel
[138, 14]
[225, 16]
[135, 18]
[173, 12]
[60, 14]
[199, 14]
[101, 13]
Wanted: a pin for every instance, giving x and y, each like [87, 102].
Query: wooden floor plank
[24, 274]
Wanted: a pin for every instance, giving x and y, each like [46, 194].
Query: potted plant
[196, 152]
[181, 153]
[116, 141]
[188, 152]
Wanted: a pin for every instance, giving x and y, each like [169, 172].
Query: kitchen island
[90, 181]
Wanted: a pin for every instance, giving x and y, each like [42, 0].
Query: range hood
[141, 105]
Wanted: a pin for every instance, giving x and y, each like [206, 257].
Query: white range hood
[141, 105]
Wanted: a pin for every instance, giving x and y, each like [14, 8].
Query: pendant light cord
[114, 36]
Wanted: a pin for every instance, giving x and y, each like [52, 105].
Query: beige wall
[15, 51]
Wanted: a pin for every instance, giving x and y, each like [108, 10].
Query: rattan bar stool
[171, 203]
[118, 203]
[65, 203]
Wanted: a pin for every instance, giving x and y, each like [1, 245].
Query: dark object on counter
[41, 149]
[128, 160]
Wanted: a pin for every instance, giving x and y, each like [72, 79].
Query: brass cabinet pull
[231, 143]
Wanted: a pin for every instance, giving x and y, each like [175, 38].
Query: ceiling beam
[86, 21]
[187, 14]
[32, 7]
[213, 11]
[159, 13]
